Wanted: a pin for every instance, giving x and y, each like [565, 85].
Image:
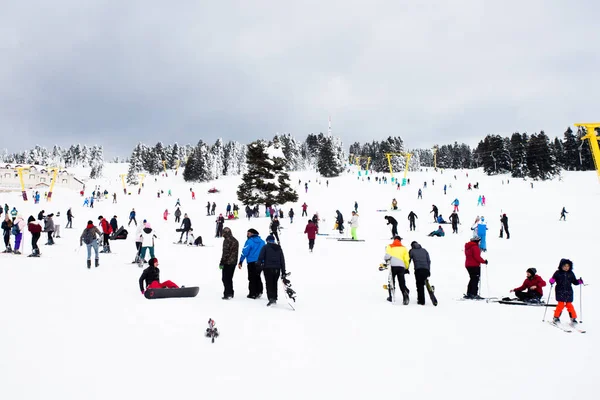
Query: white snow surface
[72, 333]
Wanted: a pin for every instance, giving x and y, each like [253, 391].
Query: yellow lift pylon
[54, 176]
[389, 158]
[123, 181]
[590, 128]
[20, 172]
[358, 158]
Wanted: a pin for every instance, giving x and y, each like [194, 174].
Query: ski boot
[556, 320]
[405, 298]
[89, 264]
[97, 263]
[16, 252]
[271, 303]
[574, 321]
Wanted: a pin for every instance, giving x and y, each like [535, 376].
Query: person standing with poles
[473, 263]
[504, 228]
[564, 278]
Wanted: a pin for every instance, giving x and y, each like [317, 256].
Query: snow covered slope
[67, 332]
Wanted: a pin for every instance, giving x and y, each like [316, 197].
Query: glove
[407, 271]
[285, 281]
[486, 262]
[220, 267]
[580, 280]
[552, 281]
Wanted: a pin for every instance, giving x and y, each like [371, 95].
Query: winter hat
[270, 239]
[475, 238]
[30, 219]
[565, 261]
[147, 225]
[532, 271]
[152, 262]
[397, 237]
[482, 219]
[253, 231]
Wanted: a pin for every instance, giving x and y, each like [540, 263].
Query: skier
[411, 218]
[444, 189]
[152, 277]
[250, 253]
[275, 229]
[17, 230]
[186, 227]
[504, 228]
[166, 215]
[392, 221]
[483, 200]
[178, 215]
[272, 262]
[356, 206]
[354, 225]
[291, 215]
[434, 210]
[304, 208]
[219, 226]
[534, 284]
[420, 194]
[132, 217]
[455, 221]
[6, 229]
[563, 214]
[455, 203]
[564, 278]
[228, 210]
[14, 213]
[479, 203]
[49, 228]
[438, 233]
[148, 236]
[339, 220]
[397, 256]
[311, 233]
[305, 187]
[422, 266]
[114, 224]
[473, 263]
[36, 231]
[106, 231]
[89, 236]
[482, 233]
[69, 219]
[229, 257]
[394, 204]
[177, 204]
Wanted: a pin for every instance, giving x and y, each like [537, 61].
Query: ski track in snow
[72, 333]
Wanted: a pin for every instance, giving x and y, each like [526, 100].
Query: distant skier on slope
[392, 221]
[563, 214]
[434, 210]
[411, 218]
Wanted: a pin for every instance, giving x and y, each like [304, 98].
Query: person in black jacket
[114, 224]
[6, 228]
[564, 277]
[186, 227]
[455, 221]
[152, 277]
[339, 220]
[229, 258]
[392, 221]
[275, 228]
[422, 266]
[272, 261]
[177, 215]
[219, 226]
[434, 210]
[504, 221]
[411, 218]
[69, 219]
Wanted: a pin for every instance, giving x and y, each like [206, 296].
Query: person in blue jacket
[455, 203]
[482, 232]
[250, 253]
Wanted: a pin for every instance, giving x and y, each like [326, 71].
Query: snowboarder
[422, 267]
[304, 208]
[534, 284]
[186, 227]
[473, 263]
[482, 233]
[106, 231]
[272, 262]
[392, 221]
[275, 228]
[229, 257]
[434, 210]
[339, 221]
[291, 215]
[564, 278]
[563, 214]
[397, 256]
[411, 219]
[455, 221]
[36, 231]
[311, 233]
[89, 236]
[152, 277]
[114, 224]
[353, 225]
[132, 217]
[455, 203]
[438, 233]
[250, 253]
[219, 226]
[178, 215]
[504, 228]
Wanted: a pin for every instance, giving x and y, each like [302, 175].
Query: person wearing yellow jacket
[397, 257]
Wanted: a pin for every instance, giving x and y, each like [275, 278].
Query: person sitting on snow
[534, 284]
[439, 232]
[152, 277]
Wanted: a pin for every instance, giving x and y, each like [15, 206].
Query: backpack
[88, 236]
[15, 229]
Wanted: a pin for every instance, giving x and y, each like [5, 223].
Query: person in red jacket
[534, 284]
[473, 263]
[311, 231]
[106, 231]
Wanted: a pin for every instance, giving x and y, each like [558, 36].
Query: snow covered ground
[67, 332]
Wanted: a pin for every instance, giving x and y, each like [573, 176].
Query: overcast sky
[115, 72]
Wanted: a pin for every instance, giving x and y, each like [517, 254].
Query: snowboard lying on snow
[168, 293]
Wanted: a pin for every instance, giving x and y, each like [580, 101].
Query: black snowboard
[168, 293]
[431, 290]
[524, 303]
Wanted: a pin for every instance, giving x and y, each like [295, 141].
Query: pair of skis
[569, 329]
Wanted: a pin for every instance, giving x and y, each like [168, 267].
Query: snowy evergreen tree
[96, 161]
[330, 164]
[217, 159]
[518, 155]
[198, 167]
[234, 154]
[136, 164]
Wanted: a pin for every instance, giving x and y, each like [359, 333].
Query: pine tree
[329, 164]
[518, 155]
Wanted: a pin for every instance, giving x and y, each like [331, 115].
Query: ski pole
[547, 302]
[487, 280]
[580, 304]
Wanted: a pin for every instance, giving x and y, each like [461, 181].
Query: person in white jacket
[353, 225]
[138, 242]
[148, 236]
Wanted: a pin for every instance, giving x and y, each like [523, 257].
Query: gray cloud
[114, 73]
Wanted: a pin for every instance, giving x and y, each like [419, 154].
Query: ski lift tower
[590, 128]
[329, 128]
